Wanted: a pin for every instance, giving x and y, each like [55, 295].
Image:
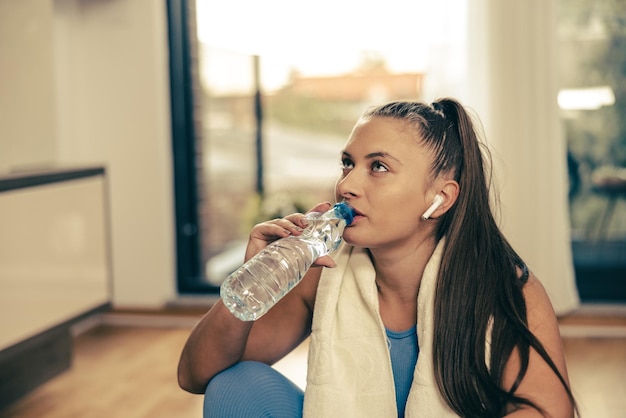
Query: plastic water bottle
[256, 286]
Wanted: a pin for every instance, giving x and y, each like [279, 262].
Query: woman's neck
[400, 268]
[398, 276]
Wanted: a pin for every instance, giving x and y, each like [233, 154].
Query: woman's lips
[357, 216]
[356, 212]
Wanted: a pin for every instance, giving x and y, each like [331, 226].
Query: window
[593, 103]
[257, 131]
[266, 132]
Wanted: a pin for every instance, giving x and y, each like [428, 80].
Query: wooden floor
[130, 372]
[117, 372]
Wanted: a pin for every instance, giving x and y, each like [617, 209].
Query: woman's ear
[437, 201]
[443, 200]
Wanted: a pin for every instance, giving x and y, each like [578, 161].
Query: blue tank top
[403, 349]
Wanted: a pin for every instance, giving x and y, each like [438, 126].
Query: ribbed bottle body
[256, 286]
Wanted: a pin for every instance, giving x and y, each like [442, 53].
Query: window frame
[189, 277]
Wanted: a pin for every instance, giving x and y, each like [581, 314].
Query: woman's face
[385, 178]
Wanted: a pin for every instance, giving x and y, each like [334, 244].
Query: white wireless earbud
[437, 201]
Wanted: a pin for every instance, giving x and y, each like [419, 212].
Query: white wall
[93, 79]
[27, 90]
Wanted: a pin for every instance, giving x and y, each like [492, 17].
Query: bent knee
[251, 388]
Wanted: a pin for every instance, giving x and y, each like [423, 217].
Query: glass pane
[312, 92]
[593, 103]
[306, 121]
[228, 149]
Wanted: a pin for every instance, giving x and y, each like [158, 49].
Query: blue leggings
[252, 389]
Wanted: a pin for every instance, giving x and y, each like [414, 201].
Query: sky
[323, 37]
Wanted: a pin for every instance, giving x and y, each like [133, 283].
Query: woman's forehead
[379, 131]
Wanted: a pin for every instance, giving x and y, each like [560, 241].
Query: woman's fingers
[321, 207]
[279, 228]
[299, 219]
[325, 261]
[266, 232]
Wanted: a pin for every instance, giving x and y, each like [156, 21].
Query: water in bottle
[256, 286]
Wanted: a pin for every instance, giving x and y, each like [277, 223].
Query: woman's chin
[352, 239]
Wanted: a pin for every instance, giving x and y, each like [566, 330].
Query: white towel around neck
[349, 367]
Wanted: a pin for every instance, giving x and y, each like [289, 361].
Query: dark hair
[478, 288]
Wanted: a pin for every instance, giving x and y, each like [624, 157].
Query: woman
[428, 310]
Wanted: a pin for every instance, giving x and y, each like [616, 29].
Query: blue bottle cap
[345, 211]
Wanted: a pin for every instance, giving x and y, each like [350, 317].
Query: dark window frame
[189, 276]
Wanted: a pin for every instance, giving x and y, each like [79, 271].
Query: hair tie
[437, 106]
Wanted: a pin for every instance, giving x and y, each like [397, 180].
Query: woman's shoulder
[540, 383]
[539, 310]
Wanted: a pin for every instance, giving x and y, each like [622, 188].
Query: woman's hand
[267, 232]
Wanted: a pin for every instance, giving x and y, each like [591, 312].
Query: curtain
[512, 84]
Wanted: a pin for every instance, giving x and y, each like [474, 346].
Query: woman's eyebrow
[379, 154]
[382, 154]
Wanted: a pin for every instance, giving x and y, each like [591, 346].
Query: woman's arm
[220, 340]
[540, 384]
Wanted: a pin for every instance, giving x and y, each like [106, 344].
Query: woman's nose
[346, 185]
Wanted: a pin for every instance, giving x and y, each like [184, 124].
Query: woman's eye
[346, 165]
[378, 167]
